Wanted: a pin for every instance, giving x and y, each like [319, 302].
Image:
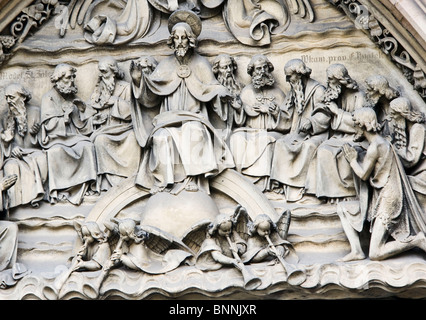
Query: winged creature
[147, 248]
[268, 242]
[222, 243]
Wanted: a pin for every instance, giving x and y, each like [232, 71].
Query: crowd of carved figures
[330, 142]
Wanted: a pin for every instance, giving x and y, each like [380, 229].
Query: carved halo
[189, 17]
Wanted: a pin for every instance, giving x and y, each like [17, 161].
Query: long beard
[181, 51]
[399, 134]
[299, 96]
[66, 89]
[104, 90]
[262, 80]
[332, 92]
[17, 119]
[22, 125]
[229, 83]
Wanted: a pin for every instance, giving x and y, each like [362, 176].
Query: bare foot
[353, 256]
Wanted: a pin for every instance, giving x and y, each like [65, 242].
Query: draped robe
[294, 152]
[31, 169]
[253, 144]
[181, 142]
[70, 154]
[330, 175]
[117, 151]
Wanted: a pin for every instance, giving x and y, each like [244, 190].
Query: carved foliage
[384, 39]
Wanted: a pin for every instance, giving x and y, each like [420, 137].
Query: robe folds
[295, 151]
[31, 169]
[330, 175]
[253, 144]
[117, 151]
[180, 141]
[71, 155]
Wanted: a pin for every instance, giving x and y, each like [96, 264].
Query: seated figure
[11, 271]
[63, 134]
[117, 151]
[252, 144]
[330, 176]
[296, 149]
[23, 155]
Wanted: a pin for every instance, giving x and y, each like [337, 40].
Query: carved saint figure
[267, 242]
[70, 153]
[183, 147]
[117, 151]
[330, 176]
[22, 149]
[388, 208]
[407, 128]
[253, 144]
[378, 95]
[224, 67]
[224, 245]
[295, 151]
[10, 270]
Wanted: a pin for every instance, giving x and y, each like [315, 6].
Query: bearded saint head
[260, 69]
[109, 73]
[337, 78]
[296, 73]
[182, 39]
[63, 78]
[16, 97]
[223, 68]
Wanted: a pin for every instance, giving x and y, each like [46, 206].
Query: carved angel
[147, 248]
[92, 255]
[268, 242]
[223, 244]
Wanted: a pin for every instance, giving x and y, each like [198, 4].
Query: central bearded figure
[181, 148]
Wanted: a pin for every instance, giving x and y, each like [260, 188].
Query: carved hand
[349, 152]
[17, 153]
[334, 109]
[261, 108]
[116, 255]
[273, 108]
[305, 126]
[80, 105]
[99, 118]
[7, 136]
[237, 103]
[136, 72]
[35, 129]
[225, 96]
[8, 182]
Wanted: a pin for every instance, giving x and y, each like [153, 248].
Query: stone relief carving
[253, 143]
[385, 206]
[174, 131]
[385, 40]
